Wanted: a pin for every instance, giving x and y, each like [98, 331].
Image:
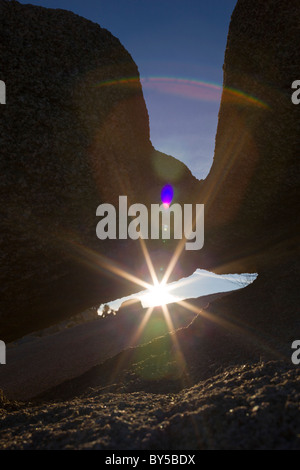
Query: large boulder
[251, 193]
[74, 134]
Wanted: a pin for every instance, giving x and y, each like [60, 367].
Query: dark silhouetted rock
[252, 190]
[74, 134]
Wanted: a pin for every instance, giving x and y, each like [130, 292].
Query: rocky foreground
[202, 386]
[251, 406]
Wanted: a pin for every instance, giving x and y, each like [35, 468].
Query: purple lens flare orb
[167, 194]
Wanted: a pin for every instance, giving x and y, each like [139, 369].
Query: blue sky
[171, 40]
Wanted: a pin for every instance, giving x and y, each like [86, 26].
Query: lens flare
[167, 194]
[189, 88]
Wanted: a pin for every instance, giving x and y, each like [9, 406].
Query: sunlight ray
[228, 325]
[173, 336]
[133, 342]
[148, 262]
[136, 336]
[96, 260]
[176, 255]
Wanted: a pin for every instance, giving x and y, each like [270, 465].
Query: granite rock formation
[252, 190]
[74, 134]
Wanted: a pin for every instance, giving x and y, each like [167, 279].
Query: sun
[158, 295]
